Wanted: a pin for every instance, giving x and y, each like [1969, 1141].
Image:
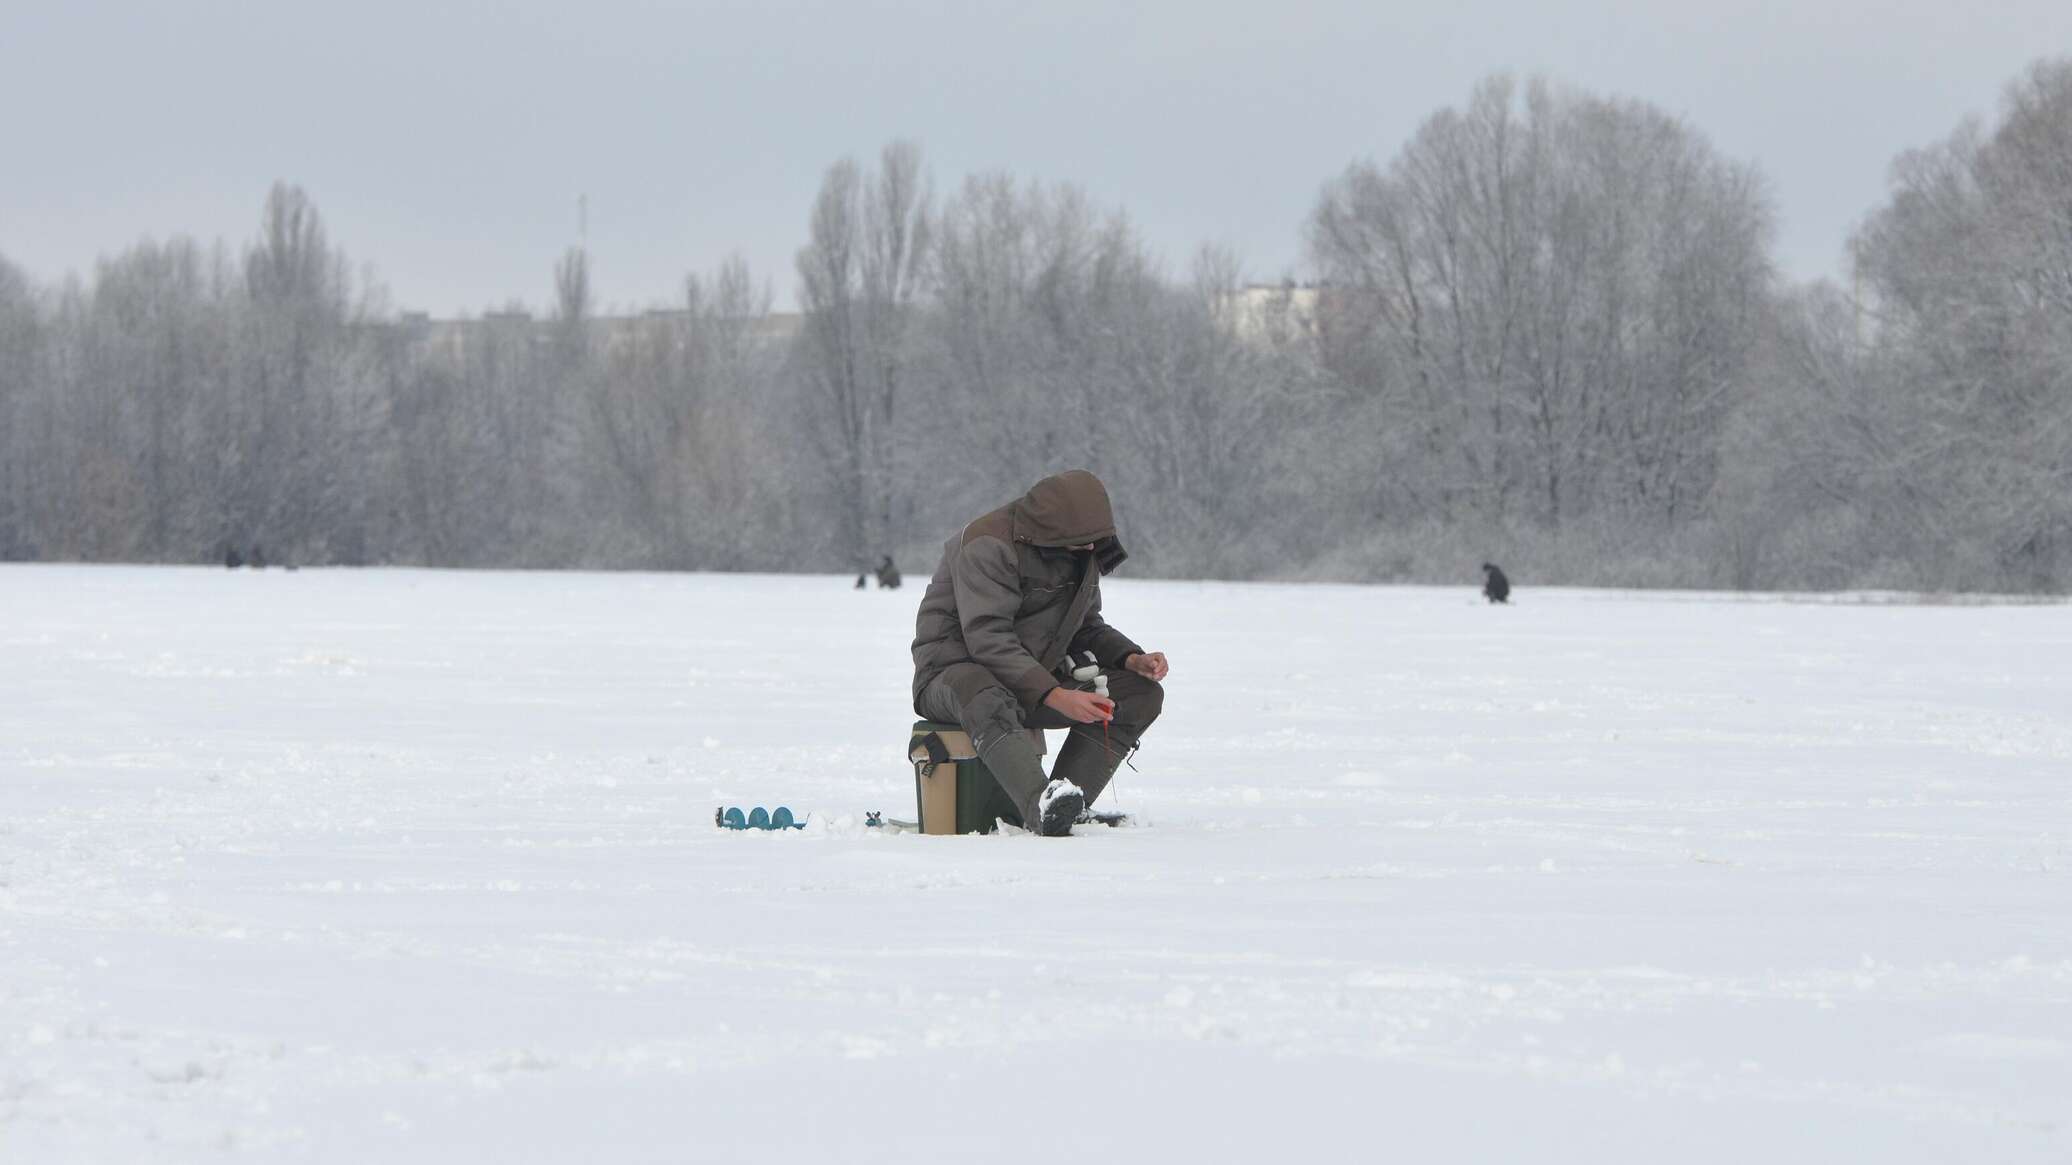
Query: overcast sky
[447, 144]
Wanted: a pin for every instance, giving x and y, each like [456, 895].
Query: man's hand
[1151, 665]
[1085, 707]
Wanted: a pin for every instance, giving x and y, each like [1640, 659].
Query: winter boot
[1014, 762]
[1089, 761]
[1058, 809]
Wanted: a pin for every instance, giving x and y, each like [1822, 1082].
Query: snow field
[420, 866]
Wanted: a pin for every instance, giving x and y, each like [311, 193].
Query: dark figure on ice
[888, 575]
[232, 559]
[1018, 591]
[859, 580]
[1495, 587]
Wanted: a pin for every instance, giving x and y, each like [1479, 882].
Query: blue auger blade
[758, 818]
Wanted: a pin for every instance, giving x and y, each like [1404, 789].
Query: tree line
[1548, 331]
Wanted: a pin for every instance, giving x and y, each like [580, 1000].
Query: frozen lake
[420, 866]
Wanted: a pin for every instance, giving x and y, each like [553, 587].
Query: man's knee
[1150, 703]
[990, 714]
[1138, 701]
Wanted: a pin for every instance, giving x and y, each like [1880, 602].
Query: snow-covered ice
[420, 866]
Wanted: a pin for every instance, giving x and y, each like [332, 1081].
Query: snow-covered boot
[1057, 809]
[1018, 768]
[1089, 761]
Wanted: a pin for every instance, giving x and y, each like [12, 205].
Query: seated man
[1017, 593]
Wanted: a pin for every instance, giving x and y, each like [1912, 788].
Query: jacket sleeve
[1110, 647]
[987, 585]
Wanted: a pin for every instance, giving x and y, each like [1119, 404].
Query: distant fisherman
[1495, 587]
[1014, 605]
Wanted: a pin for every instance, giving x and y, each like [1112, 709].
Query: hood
[1069, 509]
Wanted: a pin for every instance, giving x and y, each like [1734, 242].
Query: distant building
[1271, 313]
[448, 341]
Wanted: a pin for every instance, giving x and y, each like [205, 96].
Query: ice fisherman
[1017, 592]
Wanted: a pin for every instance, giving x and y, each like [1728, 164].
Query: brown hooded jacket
[1010, 594]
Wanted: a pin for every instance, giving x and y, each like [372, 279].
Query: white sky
[446, 144]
